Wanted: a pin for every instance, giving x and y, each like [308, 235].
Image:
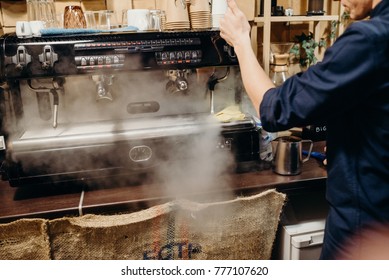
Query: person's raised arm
[235, 29]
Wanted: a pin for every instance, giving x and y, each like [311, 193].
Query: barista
[349, 90]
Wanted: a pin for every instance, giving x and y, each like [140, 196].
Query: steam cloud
[193, 165]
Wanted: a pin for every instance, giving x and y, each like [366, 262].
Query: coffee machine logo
[140, 153]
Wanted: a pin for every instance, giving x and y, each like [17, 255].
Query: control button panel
[140, 45]
[100, 62]
[183, 54]
[178, 57]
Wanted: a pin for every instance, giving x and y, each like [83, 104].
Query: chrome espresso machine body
[100, 106]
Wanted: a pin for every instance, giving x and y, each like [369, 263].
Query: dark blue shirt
[349, 91]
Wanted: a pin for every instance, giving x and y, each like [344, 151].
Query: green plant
[304, 49]
[344, 20]
[305, 45]
[334, 27]
[345, 17]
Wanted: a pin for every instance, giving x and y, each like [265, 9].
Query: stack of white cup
[200, 14]
[177, 16]
[219, 8]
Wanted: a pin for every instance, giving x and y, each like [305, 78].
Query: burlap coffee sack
[243, 228]
[24, 239]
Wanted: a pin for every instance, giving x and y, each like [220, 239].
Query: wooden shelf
[296, 18]
[267, 19]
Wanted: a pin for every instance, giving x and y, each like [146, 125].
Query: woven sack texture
[24, 239]
[242, 228]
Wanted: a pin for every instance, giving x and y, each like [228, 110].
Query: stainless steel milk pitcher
[288, 157]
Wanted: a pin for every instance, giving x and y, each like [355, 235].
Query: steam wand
[41, 95]
[58, 84]
[212, 82]
[55, 103]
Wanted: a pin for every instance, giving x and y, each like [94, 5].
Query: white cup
[36, 27]
[219, 7]
[23, 29]
[139, 18]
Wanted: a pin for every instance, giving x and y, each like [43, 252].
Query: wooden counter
[54, 202]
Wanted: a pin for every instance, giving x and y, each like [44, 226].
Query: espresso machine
[94, 107]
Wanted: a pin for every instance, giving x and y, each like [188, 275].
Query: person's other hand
[234, 27]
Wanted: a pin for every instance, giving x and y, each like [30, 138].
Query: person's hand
[234, 27]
